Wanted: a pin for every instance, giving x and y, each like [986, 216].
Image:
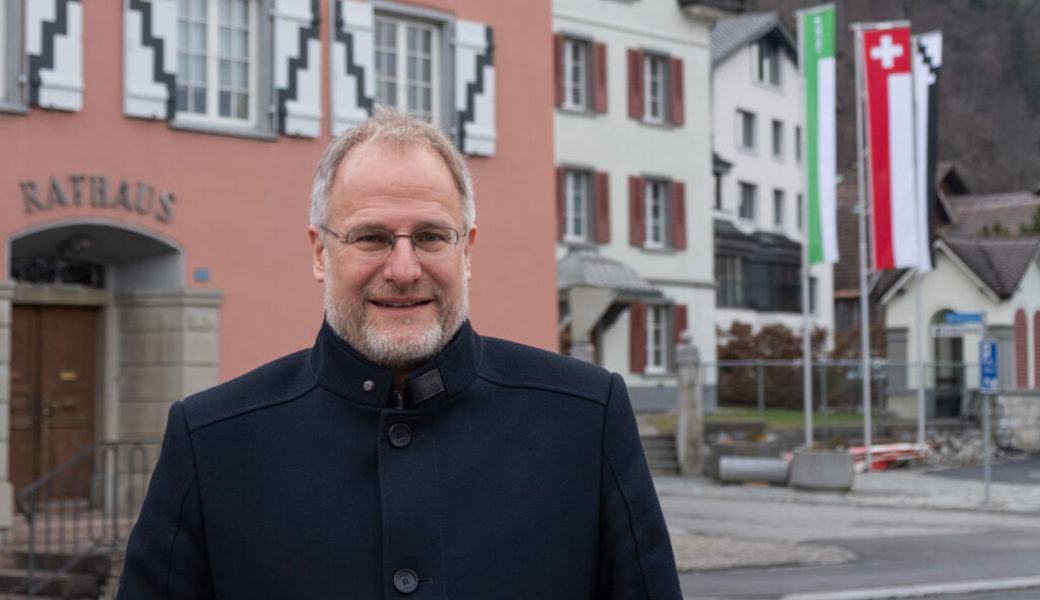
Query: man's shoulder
[517, 365]
[281, 380]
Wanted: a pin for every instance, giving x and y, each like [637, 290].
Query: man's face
[400, 308]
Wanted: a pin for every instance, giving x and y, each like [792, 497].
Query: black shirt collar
[345, 372]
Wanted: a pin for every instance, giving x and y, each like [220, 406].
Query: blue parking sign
[988, 383]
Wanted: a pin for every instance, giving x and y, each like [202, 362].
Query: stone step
[68, 585]
[660, 453]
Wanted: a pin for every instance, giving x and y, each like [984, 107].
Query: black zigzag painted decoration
[476, 87]
[158, 51]
[352, 67]
[45, 59]
[298, 63]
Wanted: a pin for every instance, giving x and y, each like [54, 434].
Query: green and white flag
[816, 34]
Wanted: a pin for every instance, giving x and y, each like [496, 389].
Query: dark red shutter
[636, 211]
[558, 74]
[602, 185]
[1036, 349]
[675, 84]
[599, 77]
[637, 338]
[678, 215]
[679, 320]
[1021, 350]
[635, 83]
[561, 201]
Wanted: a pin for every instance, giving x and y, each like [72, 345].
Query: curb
[921, 591]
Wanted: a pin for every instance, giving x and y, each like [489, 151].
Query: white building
[758, 187]
[633, 158]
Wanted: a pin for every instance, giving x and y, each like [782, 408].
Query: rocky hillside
[989, 87]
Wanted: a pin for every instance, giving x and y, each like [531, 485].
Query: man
[403, 454]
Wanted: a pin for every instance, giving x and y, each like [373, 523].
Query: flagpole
[920, 358]
[864, 311]
[806, 329]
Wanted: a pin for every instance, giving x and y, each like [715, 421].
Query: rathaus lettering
[94, 191]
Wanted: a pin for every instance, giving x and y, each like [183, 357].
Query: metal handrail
[74, 528]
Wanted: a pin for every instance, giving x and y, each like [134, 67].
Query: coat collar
[343, 371]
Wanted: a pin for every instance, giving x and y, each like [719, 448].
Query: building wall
[623, 147]
[242, 204]
[949, 288]
[734, 87]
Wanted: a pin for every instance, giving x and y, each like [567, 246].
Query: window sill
[13, 108]
[658, 124]
[577, 112]
[578, 244]
[224, 130]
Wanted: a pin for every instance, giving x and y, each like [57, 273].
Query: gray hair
[387, 126]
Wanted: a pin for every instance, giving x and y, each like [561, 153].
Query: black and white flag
[927, 61]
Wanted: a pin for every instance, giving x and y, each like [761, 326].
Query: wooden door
[53, 379]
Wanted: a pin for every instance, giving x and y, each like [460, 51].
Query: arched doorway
[64, 330]
[948, 353]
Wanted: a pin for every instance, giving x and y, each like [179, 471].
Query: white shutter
[54, 46]
[352, 60]
[297, 67]
[149, 58]
[475, 87]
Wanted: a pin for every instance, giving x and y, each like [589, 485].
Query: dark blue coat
[508, 473]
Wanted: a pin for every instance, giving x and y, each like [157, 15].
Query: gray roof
[999, 263]
[730, 35]
[973, 211]
[588, 267]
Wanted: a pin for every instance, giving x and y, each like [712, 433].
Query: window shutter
[1036, 349]
[679, 320]
[602, 185]
[637, 338]
[297, 67]
[678, 215]
[54, 48]
[475, 87]
[675, 85]
[1021, 350]
[636, 211]
[353, 77]
[599, 77]
[635, 83]
[561, 202]
[149, 58]
[558, 74]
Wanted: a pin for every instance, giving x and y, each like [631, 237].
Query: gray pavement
[1014, 490]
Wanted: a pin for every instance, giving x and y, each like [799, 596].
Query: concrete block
[746, 449]
[200, 319]
[150, 348]
[150, 382]
[200, 348]
[741, 468]
[142, 420]
[5, 346]
[6, 504]
[816, 470]
[198, 378]
[151, 318]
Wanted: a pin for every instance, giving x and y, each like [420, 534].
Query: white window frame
[657, 329]
[656, 201]
[729, 277]
[747, 122]
[779, 198]
[655, 89]
[4, 39]
[777, 128]
[577, 70]
[12, 56]
[403, 22]
[577, 205]
[213, 57]
[746, 207]
[766, 62]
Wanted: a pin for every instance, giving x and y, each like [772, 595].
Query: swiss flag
[890, 126]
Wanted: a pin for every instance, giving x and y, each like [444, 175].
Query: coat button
[400, 435]
[406, 581]
[369, 385]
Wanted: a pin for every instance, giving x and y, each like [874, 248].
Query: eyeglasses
[376, 242]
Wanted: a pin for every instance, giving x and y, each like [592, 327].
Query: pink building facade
[155, 178]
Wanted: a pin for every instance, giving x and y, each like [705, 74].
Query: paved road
[771, 546]
[1025, 470]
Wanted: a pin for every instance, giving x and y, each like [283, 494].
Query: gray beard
[349, 320]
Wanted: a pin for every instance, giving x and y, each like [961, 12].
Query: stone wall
[6, 490]
[1016, 420]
